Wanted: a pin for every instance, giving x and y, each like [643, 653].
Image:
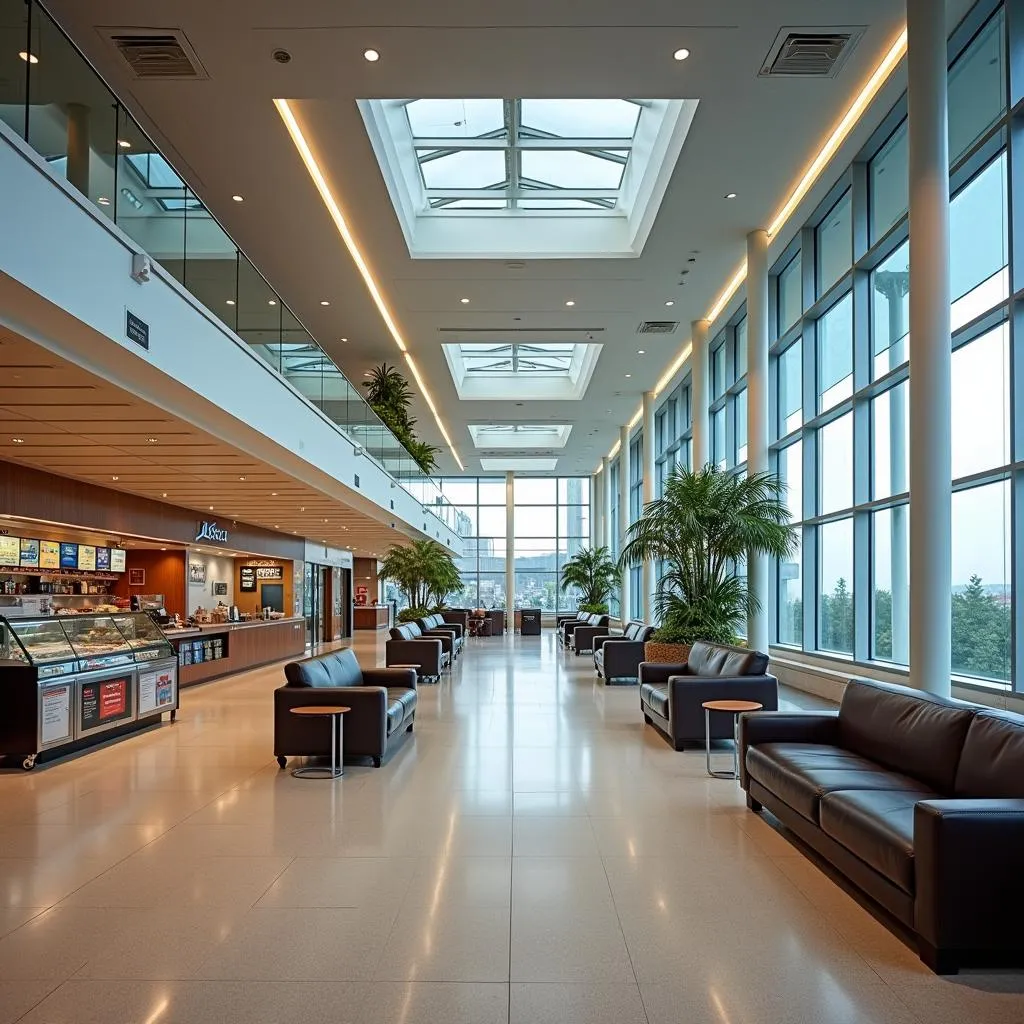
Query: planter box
[666, 654]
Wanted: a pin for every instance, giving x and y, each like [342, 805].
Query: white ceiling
[750, 135]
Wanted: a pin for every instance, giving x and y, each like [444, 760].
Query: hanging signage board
[268, 573]
[103, 559]
[117, 559]
[29, 556]
[10, 550]
[211, 533]
[86, 557]
[247, 579]
[49, 554]
[68, 556]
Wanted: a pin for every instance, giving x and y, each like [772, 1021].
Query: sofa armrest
[658, 671]
[583, 637]
[967, 873]
[600, 641]
[356, 697]
[446, 637]
[785, 727]
[427, 653]
[391, 677]
[622, 657]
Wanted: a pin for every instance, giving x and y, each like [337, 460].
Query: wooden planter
[666, 654]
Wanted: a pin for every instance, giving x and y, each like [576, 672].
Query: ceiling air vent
[811, 53]
[157, 53]
[657, 327]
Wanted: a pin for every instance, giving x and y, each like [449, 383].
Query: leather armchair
[447, 638]
[583, 637]
[457, 617]
[427, 653]
[565, 624]
[620, 657]
[434, 625]
[383, 701]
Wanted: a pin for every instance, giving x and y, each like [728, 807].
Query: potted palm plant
[706, 523]
[592, 572]
[424, 571]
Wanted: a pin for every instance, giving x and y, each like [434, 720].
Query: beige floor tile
[587, 1003]
[553, 837]
[461, 881]
[560, 882]
[566, 803]
[341, 882]
[433, 1002]
[18, 997]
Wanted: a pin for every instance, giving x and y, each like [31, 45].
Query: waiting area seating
[916, 799]
[594, 625]
[409, 646]
[435, 625]
[672, 695]
[382, 703]
[618, 658]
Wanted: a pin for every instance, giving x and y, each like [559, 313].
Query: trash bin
[530, 618]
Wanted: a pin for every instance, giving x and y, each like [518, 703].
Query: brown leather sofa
[383, 703]
[618, 658]
[917, 800]
[671, 695]
[408, 646]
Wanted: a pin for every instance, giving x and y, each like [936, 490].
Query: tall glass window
[835, 587]
[790, 298]
[835, 244]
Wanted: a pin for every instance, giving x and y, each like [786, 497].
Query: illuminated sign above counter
[211, 532]
[26, 554]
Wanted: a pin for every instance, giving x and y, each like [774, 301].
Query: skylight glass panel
[523, 359]
[454, 119]
[571, 168]
[581, 119]
[154, 170]
[464, 168]
[565, 204]
[468, 204]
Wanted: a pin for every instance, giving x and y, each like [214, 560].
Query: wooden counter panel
[248, 647]
[370, 617]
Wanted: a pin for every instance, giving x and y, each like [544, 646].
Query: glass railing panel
[211, 261]
[259, 311]
[16, 49]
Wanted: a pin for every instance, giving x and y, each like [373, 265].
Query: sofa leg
[941, 961]
[376, 762]
[282, 761]
[409, 727]
[754, 805]
[679, 745]
[647, 719]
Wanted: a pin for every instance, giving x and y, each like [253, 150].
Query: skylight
[486, 164]
[520, 435]
[553, 360]
[521, 370]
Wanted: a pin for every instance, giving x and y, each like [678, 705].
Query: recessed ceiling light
[629, 375]
[211, 508]
[241, 478]
[273, 494]
[238, 199]
[29, 58]
[302, 508]
[681, 54]
[18, 440]
[124, 143]
[344, 339]
[325, 520]
[271, 302]
[670, 302]
[371, 55]
[164, 495]
[640, 351]
[366, 373]
[230, 302]
[570, 302]
[730, 195]
[115, 478]
[464, 301]
[103, 201]
[276, 526]
[152, 440]
[324, 302]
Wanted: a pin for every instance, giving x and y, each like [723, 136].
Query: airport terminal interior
[511, 515]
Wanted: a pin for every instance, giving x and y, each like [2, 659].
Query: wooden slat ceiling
[57, 417]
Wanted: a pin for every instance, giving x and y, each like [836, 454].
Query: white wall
[219, 569]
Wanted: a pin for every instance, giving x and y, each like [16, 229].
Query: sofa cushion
[801, 773]
[413, 629]
[719, 660]
[905, 730]
[992, 761]
[876, 826]
[655, 698]
[339, 668]
[645, 633]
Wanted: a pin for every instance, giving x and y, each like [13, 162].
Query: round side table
[334, 713]
[734, 708]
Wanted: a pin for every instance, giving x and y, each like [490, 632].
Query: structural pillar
[700, 393]
[597, 510]
[758, 566]
[607, 540]
[510, 553]
[650, 583]
[930, 357]
[78, 147]
[623, 517]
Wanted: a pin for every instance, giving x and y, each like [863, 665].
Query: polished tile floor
[532, 854]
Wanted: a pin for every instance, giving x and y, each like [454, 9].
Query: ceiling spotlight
[681, 54]
[324, 302]
[277, 526]
[464, 301]
[18, 440]
[640, 351]
[124, 143]
[302, 508]
[366, 373]
[211, 508]
[164, 495]
[570, 302]
[230, 302]
[241, 478]
[103, 201]
[344, 339]
[238, 199]
[629, 375]
[163, 549]
[28, 58]
[152, 440]
[730, 195]
[271, 302]
[371, 55]
[115, 478]
[273, 494]
[670, 303]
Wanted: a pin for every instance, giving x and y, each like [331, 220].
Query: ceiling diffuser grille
[806, 53]
[164, 54]
[657, 327]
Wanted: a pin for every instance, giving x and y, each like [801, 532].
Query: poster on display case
[156, 691]
[86, 556]
[68, 555]
[55, 714]
[10, 550]
[29, 553]
[117, 558]
[106, 702]
[49, 554]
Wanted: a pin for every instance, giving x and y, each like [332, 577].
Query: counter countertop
[224, 627]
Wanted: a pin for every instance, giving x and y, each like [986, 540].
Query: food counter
[372, 616]
[67, 682]
[218, 649]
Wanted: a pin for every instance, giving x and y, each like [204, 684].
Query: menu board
[106, 702]
[117, 557]
[49, 554]
[270, 572]
[29, 553]
[103, 559]
[86, 556]
[156, 690]
[10, 550]
[55, 714]
[247, 579]
[68, 556]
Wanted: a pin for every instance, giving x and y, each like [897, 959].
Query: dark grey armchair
[406, 647]
[618, 658]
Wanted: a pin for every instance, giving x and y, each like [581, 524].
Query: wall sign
[268, 573]
[211, 532]
[117, 559]
[136, 329]
[136, 577]
[49, 554]
[197, 572]
[219, 589]
[247, 579]
[68, 556]
[29, 553]
[10, 550]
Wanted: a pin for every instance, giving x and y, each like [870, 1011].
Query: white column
[930, 369]
[700, 393]
[607, 540]
[623, 516]
[597, 483]
[650, 583]
[510, 553]
[758, 566]
[78, 147]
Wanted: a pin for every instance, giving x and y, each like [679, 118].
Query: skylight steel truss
[518, 358]
[603, 156]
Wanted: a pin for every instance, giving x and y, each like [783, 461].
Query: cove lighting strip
[806, 182]
[299, 139]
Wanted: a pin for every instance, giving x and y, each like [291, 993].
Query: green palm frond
[594, 573]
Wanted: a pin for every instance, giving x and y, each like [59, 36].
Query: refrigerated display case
[66, 679]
